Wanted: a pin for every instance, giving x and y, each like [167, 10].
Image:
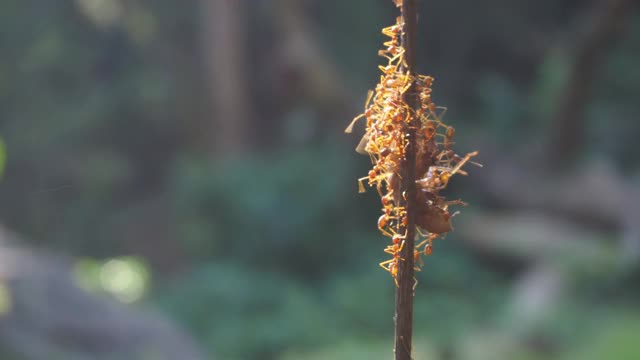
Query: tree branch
[406, 280]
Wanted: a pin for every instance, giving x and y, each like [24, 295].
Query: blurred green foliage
[125, 278]
[286, 197]
[274, 255]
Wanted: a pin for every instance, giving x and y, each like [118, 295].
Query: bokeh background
[176, 183]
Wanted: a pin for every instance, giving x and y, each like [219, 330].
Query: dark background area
[186, 161]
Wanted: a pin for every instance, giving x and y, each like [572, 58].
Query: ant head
[429, 129]
[450, 132]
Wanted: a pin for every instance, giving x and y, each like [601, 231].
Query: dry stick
[404, 292]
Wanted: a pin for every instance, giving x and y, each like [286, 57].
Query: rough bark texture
[404, 292]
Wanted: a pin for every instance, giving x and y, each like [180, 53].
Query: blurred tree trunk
[302, 51]
[313, 75]
[224, 44]
[609, 18]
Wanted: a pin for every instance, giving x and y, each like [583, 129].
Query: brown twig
[406, 280]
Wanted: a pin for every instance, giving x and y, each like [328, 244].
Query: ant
[391, 265]
[437, 177]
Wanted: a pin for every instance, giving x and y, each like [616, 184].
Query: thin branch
[406, 280]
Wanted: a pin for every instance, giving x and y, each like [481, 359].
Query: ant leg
[423, 234]
[362, 145]
[422, 243]
[418, 263]
[442, 113]
[463, 161]
[385, 264]
[361, 188]
[455, 202]
[398, 56]
[349, 128]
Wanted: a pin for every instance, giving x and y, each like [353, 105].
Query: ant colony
[388, 117]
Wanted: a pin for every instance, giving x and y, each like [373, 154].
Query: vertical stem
[404, 292]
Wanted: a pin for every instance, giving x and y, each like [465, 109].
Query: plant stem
[406, 280]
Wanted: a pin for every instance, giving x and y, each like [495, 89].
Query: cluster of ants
[388, 119]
